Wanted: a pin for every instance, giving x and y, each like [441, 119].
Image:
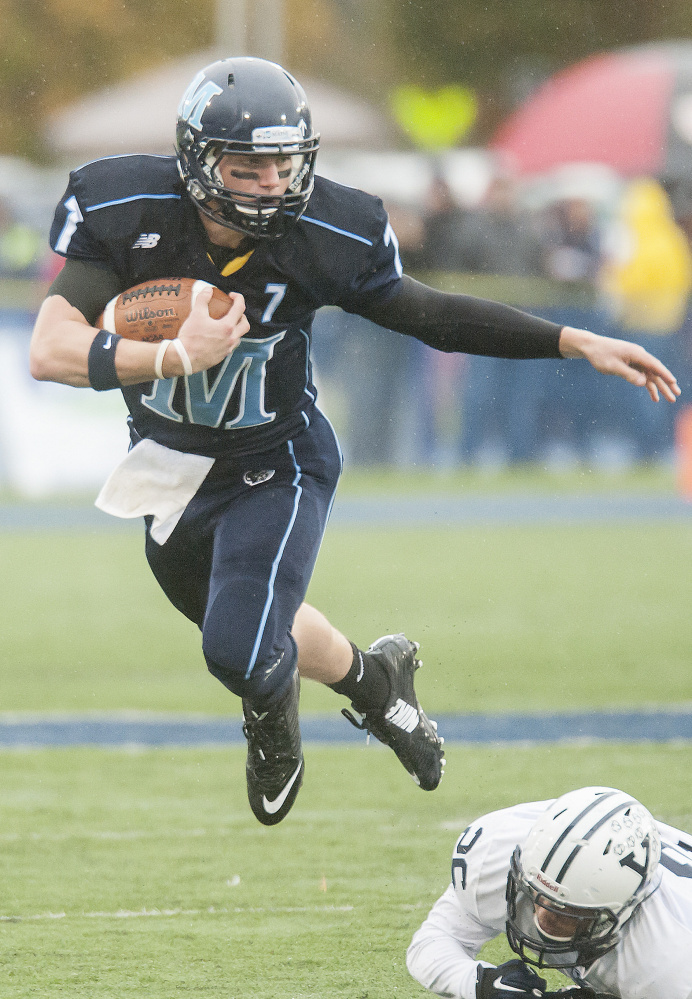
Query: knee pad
[265, 682]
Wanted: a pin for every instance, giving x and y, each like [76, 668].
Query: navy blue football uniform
[240, 559]
[235, 468]
[133, 214]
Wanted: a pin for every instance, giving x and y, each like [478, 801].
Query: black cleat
[402, 724]
[274, 767]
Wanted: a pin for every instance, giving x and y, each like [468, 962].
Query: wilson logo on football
[146, 313]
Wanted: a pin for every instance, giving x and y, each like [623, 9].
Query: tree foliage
[504, 48]
[55, 51]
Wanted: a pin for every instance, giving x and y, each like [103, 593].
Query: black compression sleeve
[86, 286]
[462, 323]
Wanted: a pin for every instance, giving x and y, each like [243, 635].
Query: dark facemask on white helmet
[586, 865]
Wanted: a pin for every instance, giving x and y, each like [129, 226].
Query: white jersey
[652, 960]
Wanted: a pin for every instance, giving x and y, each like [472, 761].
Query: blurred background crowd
[567, 193]
[583, 249]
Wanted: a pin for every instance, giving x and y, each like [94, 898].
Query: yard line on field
[170, 913]
[128, 835]
[133, 835]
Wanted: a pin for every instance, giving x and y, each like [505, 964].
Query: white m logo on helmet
[196, 99]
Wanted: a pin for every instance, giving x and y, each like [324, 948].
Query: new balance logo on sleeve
[146, 241]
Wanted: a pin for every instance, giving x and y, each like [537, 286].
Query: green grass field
[129, 873]
[144, 873]
[509, 618]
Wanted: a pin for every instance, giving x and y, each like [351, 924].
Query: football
[155, 310]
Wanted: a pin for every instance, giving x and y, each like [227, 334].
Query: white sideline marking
[212, 910]
[112, 835]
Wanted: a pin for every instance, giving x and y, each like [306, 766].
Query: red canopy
[611, 108]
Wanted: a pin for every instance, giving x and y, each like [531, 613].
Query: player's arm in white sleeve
[442, 953]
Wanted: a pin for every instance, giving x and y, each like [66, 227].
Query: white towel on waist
[154, 480]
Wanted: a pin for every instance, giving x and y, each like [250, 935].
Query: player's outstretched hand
[511, 979]
[206, 340]
[620, 357]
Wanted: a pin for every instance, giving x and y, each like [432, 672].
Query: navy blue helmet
[249, 107]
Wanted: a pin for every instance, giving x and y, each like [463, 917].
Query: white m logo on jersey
[196, 99]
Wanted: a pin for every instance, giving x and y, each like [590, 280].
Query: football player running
[231, 417]
[588, 883]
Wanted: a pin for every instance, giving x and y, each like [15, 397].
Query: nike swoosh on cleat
[273, 806]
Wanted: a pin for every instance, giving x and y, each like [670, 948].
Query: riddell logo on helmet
[546, 882]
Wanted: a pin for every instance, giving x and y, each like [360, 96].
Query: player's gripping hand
[512, 980]
[208, 341]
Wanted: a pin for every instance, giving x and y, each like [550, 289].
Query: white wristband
[158, 370]
[161, 353]
[184, 357]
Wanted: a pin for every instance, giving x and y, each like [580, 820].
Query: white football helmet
[586, 865]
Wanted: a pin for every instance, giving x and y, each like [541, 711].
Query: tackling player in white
[588, 883]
